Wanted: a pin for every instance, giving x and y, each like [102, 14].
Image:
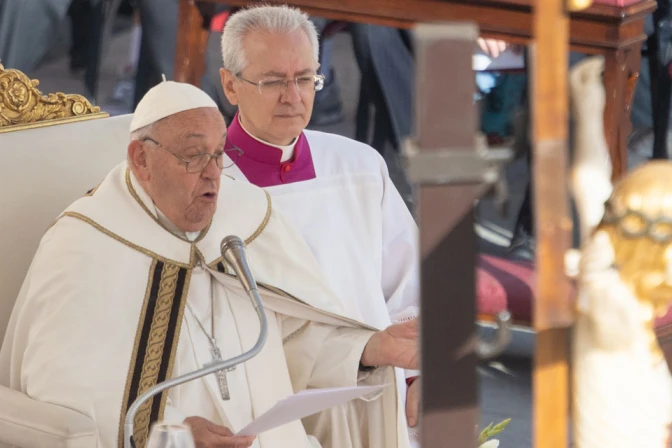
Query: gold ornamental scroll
[23, 106]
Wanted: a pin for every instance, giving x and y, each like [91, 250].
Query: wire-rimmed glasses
[198, 162]
[307, 83]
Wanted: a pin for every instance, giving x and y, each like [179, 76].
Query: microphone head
[233, 253]
[231, 242]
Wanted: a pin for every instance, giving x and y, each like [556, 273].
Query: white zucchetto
[166, 99]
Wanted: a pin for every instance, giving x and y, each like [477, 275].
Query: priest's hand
[413, 403]
[209, 435]
[492, 47]
[395, 346]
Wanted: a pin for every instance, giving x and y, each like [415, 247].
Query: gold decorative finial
[23, 105]
[638, 220]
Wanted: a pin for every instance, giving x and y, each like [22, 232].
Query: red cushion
[619, 3]
[505, 285]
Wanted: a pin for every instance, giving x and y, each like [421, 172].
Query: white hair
[269, 19]
[143, 132]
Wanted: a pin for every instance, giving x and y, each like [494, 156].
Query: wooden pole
[552, 310]
[192, 39]
[445, 121]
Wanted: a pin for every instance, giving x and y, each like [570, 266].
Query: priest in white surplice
[337, 191]
[128, 288]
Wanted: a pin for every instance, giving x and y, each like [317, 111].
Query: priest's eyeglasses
[198, 162]
[307, 83]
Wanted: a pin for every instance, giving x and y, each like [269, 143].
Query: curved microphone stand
[233, 251]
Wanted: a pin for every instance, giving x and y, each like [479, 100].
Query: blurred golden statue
[622, 389]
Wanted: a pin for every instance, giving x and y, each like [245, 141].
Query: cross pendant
[221, 374]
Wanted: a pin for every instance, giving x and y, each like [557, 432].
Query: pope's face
[189, 200]
[276, 115]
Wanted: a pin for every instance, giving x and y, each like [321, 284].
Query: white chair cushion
[42, 171]
[32, 424]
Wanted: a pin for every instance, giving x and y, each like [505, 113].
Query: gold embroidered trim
[52, 224]
[134, 355]
[287, 295]
[198, 255]
[155, 347]
[195, 253]
[154, 352]
[134, 193]
[264, 222]
[255, 234]
[124, 241]
[92, 191]
[214, 264]
[266, 287]
[171, 361]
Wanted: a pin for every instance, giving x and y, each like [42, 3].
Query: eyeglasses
[308, 83]
[635, 224]
[198, 162]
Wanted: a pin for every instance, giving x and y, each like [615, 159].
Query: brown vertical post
[552, 310]
[192, 39]
[445, 120]
[620, 79]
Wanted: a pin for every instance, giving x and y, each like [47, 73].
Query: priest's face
[188, 199]
[274, 111]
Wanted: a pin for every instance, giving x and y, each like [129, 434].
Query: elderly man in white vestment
[128, 289]
[337, 191]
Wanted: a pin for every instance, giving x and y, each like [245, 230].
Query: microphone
[233, 253]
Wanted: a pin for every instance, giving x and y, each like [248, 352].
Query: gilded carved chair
[53, 149]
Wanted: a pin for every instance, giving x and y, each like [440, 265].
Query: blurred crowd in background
[30, 29]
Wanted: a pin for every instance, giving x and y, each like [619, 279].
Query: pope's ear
[229, 86]
[137, 159]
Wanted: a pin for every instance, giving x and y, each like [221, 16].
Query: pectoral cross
[221, 374]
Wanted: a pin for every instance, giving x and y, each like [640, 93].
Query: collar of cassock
[262, 163]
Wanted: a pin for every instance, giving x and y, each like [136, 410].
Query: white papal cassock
[102, 316]
[339, 195]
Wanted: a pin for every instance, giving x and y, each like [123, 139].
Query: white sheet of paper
[303, 404]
